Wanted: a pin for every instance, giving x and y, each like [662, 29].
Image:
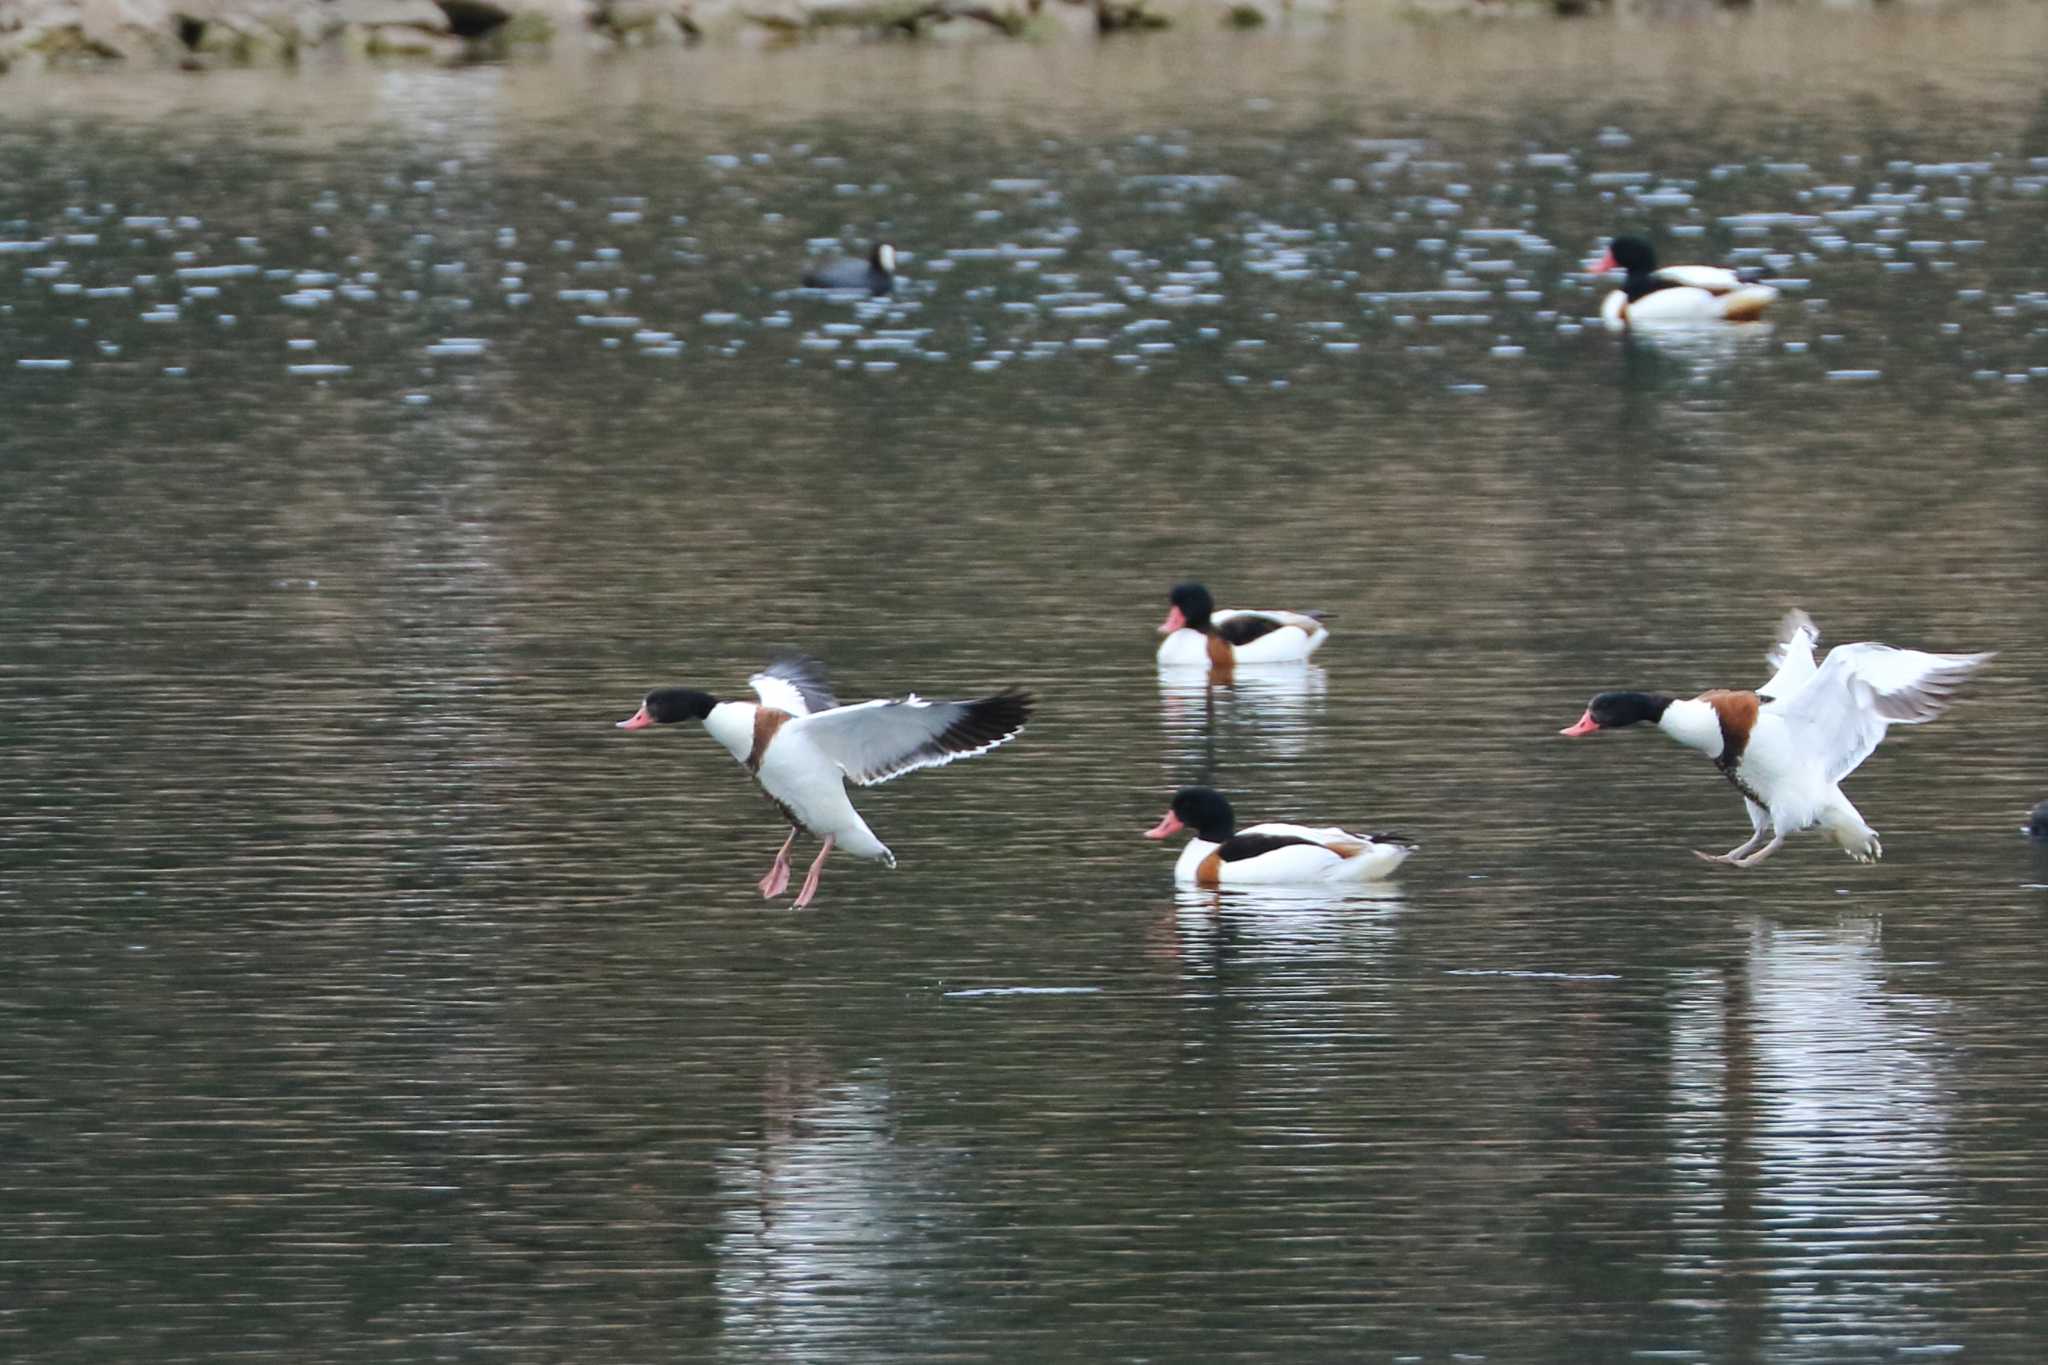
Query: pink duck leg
[777, 879]
[803, 897]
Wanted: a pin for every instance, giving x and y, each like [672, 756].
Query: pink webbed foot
[803, 897]
[776, 881]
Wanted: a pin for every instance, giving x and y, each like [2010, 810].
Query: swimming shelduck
[1676, 293]
[1787, 745]
[1197, 634]
[802, 746]
[1220, 854]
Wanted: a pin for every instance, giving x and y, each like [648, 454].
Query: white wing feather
[879, 740]
[794, 683]
[1842, 711]
[1324, 834]
[1711, 278]
[1792, 656]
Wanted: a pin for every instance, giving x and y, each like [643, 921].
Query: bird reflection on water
[1274, 710]
[1809, 1118]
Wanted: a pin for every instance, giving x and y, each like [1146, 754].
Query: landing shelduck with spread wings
[803, 747]
[1787, 745]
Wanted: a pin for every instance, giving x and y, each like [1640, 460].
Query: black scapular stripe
[1243, 846]
[1242, 630]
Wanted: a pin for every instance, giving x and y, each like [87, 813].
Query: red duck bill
[1170, 825]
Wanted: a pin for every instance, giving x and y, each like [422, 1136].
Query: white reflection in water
[1811, 1128]
[811, 1220]
[1276, 708]
[1661, 359]
[1709, 344]
[1276, 904]
[1283, 922]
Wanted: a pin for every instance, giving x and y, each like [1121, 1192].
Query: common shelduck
[1222, 855]
[1787, 745]
[1675, 293]
[1199, 635]
[802, 746]
[876, 274]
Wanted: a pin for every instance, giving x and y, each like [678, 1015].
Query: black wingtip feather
[988, 721]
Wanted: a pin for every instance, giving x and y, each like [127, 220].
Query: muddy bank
[40, 34]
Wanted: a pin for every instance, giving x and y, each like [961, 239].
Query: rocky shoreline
[196, 34]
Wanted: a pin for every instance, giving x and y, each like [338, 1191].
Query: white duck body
[1185, 648]
[1779, 767]
[797, 775]
[1693, 294]
[1298, 637]
[1333, 855]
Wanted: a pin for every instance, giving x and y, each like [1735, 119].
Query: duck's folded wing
[1307, 620]
[1241, 627]
[1791, 657]
[1260, 842]
[836, 275]
[1280, 830]
[1842, 710]
[1330, 836]
[1711, 278]
[878, 740]
[794, 683]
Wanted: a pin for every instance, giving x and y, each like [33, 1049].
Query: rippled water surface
[373, 441]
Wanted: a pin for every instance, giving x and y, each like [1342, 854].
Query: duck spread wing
[1842, 711]
[878, 740]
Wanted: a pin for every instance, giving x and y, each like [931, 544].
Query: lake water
[368, 996]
